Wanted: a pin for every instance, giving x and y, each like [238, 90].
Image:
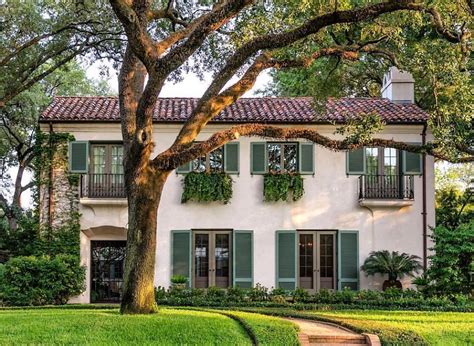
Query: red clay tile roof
[259, 110]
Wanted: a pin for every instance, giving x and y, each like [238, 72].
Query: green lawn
[96, 325]
[106, 326]
[268, 330]
[397, 327]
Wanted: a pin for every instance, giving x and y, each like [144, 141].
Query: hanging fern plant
[207, 187]
[278, 186]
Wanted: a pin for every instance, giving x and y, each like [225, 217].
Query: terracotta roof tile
[260, 110]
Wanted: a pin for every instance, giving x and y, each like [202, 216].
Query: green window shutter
[348, 259]
[258, 158]
[306, 158]
[412, 162]
[355, 162]
[242, 259]
[78, 156]
[286, 260]
[183, 169]
[181, 254]
[231, 158]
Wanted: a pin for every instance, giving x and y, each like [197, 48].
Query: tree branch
[28, 186]
[212, 102]
[170, 160]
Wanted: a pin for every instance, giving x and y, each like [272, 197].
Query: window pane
[372, 155]
[274, 157]
[216, 160]
[290, 159]
[222, 255]
[201, 255]
[98, 159]
[306, 255]
[199, 165]
[117, 164]
[390, 161]
[326, 251]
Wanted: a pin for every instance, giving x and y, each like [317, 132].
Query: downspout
[423, 213]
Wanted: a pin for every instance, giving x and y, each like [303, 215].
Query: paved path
[322, 333]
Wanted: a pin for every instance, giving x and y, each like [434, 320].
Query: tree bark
[143, 201]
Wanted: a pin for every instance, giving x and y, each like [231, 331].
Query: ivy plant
[207, 187]
[278, 186]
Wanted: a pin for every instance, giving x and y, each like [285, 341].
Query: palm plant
[393, 264]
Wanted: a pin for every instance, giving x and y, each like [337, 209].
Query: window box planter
[281, 186]
[207, 187]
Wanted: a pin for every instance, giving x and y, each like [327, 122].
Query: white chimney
[398, 86]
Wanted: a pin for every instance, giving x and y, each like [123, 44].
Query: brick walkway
[322, 333]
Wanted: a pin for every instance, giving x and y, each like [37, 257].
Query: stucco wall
[330, 202]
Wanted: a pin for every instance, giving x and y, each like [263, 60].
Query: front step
[337, 339]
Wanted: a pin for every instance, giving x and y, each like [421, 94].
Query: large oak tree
[238, 38]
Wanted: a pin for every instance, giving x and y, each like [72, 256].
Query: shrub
[258, 293]
[259, 296]
[41, 280]
[235, 294]
[179, 279]
[394, 264]
[450, 269]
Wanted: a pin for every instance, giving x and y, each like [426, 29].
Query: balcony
[101, 186]
[386, 190]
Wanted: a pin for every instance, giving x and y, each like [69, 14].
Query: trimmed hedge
[40, 280]
[299, 299]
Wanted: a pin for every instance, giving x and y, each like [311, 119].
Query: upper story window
[211, 162]
[381, 161]
[106, 159]
[282, 157]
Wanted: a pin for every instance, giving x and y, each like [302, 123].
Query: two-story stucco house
[354, 202]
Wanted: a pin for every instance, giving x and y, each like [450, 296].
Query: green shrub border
[260, 296]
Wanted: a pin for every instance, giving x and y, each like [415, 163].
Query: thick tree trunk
[143, 201]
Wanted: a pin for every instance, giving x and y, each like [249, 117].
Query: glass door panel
[390, 170]
[201, 260]
[306, 261]
[116, 168]
[98, 183]
[222, 258]
[326, 261]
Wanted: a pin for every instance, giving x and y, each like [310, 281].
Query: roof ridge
[188, 98]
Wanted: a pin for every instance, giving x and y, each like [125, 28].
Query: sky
[191, 86]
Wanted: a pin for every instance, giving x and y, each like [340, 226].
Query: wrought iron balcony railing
[386, 187]
[103, 185]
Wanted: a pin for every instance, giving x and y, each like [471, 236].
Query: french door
[106, 170]
[212, 259]
[383, 178]
[317, 260]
